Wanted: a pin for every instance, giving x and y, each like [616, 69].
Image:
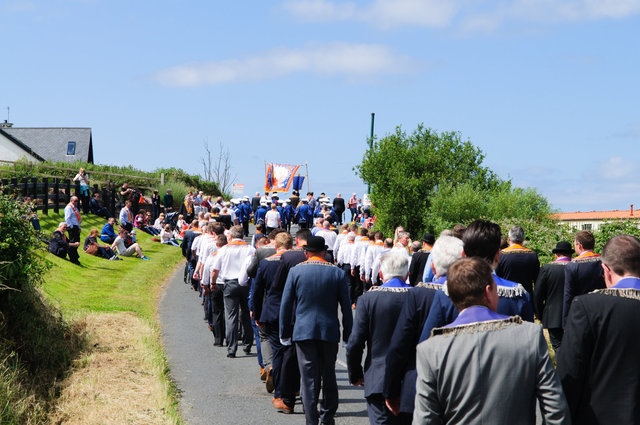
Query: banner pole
[306, 165]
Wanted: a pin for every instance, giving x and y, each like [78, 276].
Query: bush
[36, 344]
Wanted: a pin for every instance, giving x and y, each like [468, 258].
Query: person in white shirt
[166, 236]
[329, 235]
[340, 239]
[122, 250]
[272, 219]
[126, 216]
[372, 253]
[214, 301]
[230, 264]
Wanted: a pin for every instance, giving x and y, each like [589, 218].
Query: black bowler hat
[562, 247]
[428, 238]
[315, 244]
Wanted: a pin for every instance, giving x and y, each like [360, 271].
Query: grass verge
[122, 374]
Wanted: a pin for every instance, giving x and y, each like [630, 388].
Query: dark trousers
[317, 363]
[74, 236]
[555, 337]
[378, 412]
[339, 213]
[277, 351]
[216, 302]
[245, 227]
[155, 209]
[289, 375]
[355, 284]
[237, 314]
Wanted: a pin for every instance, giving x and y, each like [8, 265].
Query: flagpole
[306, 164]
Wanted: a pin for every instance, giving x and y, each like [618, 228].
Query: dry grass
[117, 381]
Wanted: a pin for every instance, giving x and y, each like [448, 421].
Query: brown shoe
[281, 406]
[269, 381]
[263, 374]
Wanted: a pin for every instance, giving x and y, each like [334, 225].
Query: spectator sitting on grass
[108, 232]
[140, 222]
[159, 223]
[97, 208]
[59, 244]
[120, 247]
[92, 247]
[166, 236]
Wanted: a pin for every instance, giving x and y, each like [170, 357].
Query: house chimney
[631, 209]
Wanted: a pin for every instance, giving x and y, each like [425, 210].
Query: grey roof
[51, 143]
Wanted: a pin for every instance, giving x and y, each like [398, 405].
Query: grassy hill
[100, 360]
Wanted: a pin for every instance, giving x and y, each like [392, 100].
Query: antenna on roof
[6, 122]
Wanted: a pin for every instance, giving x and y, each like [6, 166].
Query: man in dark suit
[400, 371]
[598, 364]
[419, 259]
[313, 290]
[549, 291]
[338, 208]
[255, 202]
[375, 321]
[584, 274]
[265, 311]
[517, 263]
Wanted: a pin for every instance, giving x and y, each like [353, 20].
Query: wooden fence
[53, 193]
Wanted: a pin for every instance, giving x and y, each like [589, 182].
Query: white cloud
[333, 59]
[617, 168]
[482, 15]
[382, 13]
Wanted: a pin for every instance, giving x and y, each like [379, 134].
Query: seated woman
[92, 247]
[166, 236]
[140, 222]
[122, 250]
[159, 223]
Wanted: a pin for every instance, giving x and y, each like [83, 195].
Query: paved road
[218, 390]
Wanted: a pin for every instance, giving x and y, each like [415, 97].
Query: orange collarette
[315, 258]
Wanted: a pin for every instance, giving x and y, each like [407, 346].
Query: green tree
[404, 170]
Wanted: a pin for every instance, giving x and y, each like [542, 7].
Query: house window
[71, 148]
[586, 227]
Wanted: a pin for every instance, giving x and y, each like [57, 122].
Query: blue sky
[548, 89]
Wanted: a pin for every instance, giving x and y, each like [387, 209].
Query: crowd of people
[447, 323]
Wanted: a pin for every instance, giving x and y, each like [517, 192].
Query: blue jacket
[513, 300]
[262, 211]
[313, 290]
[107, 233]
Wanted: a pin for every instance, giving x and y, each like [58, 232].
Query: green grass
[100, 285]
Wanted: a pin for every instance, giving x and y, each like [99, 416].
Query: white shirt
[195, 245]
[344, 256]
[372, 253]
[357, 255]
[206, 271]
[272, 218]
[329, 237]
[120, 246]
[232, 261]
[207, 247]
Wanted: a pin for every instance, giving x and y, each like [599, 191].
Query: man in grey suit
[485, 367]
[314, 288]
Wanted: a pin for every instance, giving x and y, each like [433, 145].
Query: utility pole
[373, 116]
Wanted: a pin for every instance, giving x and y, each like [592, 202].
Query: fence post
[67, 192]
[25, 186]
[34, 189]
[45, 202]
[14, 183]
[112, 199]
[56, 195]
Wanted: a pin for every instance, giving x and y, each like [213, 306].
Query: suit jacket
[338, 204]
[316, 288]
[187, 241]
[519, 264]
[582, 276]
[598, 363]
[400, 364]
[548, 294]
[261, 254]
[416, 269]
[266, 296]
[487, 372]
[376, 316]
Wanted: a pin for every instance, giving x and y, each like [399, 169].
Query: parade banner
[297, 182]
[279, 177]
